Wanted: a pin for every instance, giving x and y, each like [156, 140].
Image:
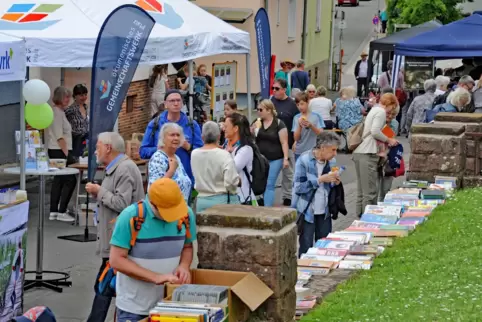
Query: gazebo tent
[388, 43]
[458, 39]
[64, 34]
[13, 68]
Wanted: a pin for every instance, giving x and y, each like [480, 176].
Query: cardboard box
[246, 291]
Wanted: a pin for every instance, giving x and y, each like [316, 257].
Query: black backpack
[441, 99]
[259, 173]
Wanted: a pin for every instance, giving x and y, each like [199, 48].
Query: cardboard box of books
[246, 291]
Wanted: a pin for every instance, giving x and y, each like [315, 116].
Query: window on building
[292, 20]
[278, 13]
[309, 73]
[318, 15]
[130, 104]
[316, 72]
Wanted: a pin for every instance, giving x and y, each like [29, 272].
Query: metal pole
[303, 36]
[341, 50]
[191, 88]
[22, 137]
[40, 228]
[248, 83]
[332, 40]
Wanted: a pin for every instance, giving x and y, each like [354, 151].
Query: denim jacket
[305, 183]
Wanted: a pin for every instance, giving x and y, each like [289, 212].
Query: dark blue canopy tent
[461, 38]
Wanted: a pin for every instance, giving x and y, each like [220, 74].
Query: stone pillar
[253, 239]
[437, 149]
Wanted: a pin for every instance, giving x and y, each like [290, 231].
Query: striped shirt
[80, 124]
[158, 248]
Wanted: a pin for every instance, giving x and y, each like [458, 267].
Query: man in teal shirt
[162, 251]
[384, 19]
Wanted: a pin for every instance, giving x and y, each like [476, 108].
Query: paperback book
[350, 264]
[385, 210]
[366, 250]
[379, 219]
[322, 258]
[381, 241]
[326, 252]
[331, 244]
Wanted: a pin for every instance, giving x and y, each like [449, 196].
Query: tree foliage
[415, 12]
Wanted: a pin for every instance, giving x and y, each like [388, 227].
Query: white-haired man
[421, 103]
[121, 187]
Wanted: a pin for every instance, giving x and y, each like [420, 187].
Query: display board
[13, 250]
[223, 87]
[417, 71]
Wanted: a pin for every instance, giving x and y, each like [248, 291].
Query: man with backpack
[191, 129]
[151, 245]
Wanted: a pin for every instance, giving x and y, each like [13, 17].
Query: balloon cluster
[38, 112]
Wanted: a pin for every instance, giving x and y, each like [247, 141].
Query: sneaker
[53, 215]
[287, 202]
[65, 217]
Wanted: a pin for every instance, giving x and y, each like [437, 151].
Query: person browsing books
[162, 254]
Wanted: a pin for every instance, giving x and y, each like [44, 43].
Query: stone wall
[446, 148]
[253, 239]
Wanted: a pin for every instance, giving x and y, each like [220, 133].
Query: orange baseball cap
[167, 197]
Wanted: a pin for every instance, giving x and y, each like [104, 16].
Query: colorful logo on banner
[28, 16]
[104, 88]
[163, 13]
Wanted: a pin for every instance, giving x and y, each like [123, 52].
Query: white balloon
[36, 92]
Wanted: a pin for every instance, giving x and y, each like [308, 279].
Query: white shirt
[320, 200]
[214, 172]
[322, 106]
[372, 131]
[59, 129]
[363, 69]
[439, 92]
[243, 158]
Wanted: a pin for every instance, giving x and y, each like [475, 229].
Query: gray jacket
[121, 187]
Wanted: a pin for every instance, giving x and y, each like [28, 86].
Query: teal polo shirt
[158, 248]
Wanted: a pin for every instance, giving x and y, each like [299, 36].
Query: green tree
[415, 12]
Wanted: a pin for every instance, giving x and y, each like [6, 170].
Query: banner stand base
[81, 238]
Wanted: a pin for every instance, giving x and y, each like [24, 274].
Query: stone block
[251, 247]
[473, 127]
[437, 163]
[470, 148]
[470, 166]
[239, 216]
[472, 182]
[423, 176]
[441, 128]
[459, 117]
[277, 310]
[437, 144]
[281, 279]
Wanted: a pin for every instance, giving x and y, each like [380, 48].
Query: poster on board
[417, 71]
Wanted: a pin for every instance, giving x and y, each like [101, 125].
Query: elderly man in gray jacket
[121, 187]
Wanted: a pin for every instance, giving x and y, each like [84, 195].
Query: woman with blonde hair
[272, 141]
[367, 155]
[349, 110]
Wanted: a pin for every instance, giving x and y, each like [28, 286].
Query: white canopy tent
[13, 68]
[64, 32]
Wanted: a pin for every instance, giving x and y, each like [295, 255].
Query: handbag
[301, 217]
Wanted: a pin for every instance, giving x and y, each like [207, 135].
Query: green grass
[435, 274]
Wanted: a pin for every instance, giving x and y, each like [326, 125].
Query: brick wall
[135, 121]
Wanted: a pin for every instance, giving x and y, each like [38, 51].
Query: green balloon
[39, 116]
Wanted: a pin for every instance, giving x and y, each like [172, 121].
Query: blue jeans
[101, 304]
[319, 229]
[204, 203]
[275, 167]
[123, 316]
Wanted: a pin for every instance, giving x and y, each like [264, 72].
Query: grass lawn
[435, 274]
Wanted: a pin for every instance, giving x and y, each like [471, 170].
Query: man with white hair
[442, 84]
[421, 103]
[468, 83]
[121, 187]
[457, 101]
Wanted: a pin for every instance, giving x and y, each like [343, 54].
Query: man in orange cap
[161, 253]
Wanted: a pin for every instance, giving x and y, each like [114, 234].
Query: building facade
[318, 33]
[286, 22]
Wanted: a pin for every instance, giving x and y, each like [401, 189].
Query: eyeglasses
[311, 91]
[274, 88]
[175, 101]
[260, 110]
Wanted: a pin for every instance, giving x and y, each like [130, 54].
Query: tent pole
[22, 137]
[191, 88]
[248, 83]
